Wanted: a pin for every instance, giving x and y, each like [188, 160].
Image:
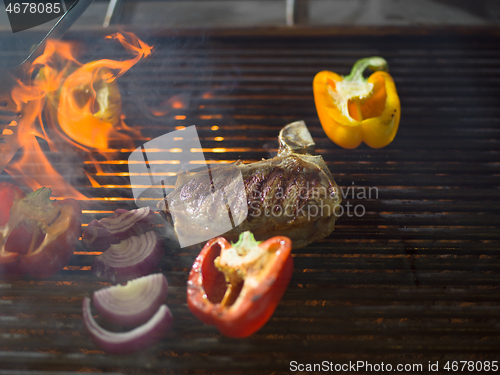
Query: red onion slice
[132, 341]
[134, 303]
[133, 257]
[101, 234]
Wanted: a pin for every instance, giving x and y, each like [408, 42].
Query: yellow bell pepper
[353, 109]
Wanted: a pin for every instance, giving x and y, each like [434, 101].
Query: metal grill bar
[417, 275]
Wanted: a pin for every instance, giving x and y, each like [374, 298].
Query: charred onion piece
[101, 234]
[132, 341]
[134, 303]
[133, 257]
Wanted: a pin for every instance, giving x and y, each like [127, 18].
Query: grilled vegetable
[40, 235]
[150, 333]
[101, 234]
[292, 194]
[9, 193]
[353, 109]
[134, 303]
[236, 287]
[133, 257]
[90, 106]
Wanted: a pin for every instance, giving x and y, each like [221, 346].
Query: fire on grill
[78, 108]
[411, 279]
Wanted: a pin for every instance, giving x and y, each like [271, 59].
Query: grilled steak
[292, 194]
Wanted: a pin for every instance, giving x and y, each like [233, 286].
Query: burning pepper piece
[353, 109]
[38, 236]
[236, 287]
[90, 107]
[9, 193]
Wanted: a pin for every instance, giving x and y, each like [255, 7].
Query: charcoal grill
[415, 279]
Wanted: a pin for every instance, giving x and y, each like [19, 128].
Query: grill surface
[415, 279]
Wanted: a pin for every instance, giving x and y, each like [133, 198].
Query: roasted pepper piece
[236, 287]
[89, 107]
[40, 235]
[9, 193]
[353, 109]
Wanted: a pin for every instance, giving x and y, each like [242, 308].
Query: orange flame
[90, 103]
[42, 173]
[82, 105]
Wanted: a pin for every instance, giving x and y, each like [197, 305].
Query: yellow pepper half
[353, 109]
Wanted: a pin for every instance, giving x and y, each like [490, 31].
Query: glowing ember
[82, 105]
[176, 102]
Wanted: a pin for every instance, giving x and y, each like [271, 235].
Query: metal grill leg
[113, 12]
[297, 12]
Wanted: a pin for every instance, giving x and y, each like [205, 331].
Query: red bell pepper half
[8, 194]
[236, 287]
[37, 236]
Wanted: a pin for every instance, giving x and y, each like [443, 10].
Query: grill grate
[415, 279]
